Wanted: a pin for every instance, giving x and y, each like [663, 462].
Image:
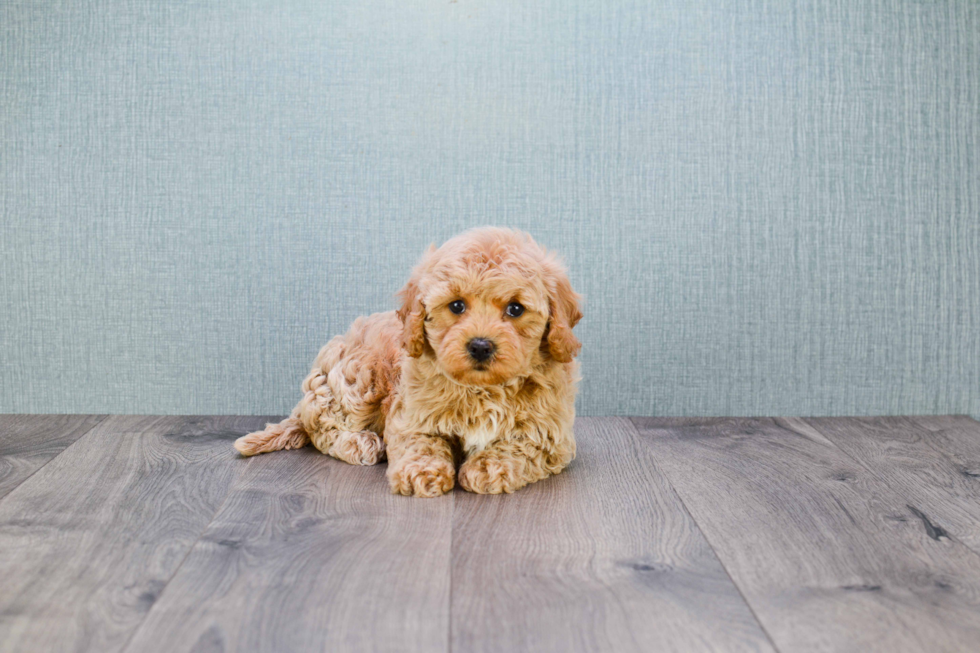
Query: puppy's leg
[354, 447]
[421, 465]
[287, 434]
[334, 412]
[509, 464]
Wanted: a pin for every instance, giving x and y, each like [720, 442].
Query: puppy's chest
[474, 418]
[477, 437]
[480, 423]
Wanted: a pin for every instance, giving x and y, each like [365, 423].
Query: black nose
[480, 349]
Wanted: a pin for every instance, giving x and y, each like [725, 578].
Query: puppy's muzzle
[480, 349]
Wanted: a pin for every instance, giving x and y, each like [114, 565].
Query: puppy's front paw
[487, 473]
[421, 477]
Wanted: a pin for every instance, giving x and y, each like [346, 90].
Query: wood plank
[311, 554]
[602, 557]
[91, 539]
[828, 557]
[27, 442]
[934, 462]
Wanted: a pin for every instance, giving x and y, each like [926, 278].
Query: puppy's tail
[287, 434]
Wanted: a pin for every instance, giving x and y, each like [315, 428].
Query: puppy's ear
[563, 304]
[412, 314]
[412, 311]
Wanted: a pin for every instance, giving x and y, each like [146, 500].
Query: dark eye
[514, 309]
[457, 306]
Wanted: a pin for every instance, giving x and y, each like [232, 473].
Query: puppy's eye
[514, 309]
[457, 306]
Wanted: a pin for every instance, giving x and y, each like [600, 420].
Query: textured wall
[771, 207]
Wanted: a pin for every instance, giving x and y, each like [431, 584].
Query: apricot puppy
[476, 367]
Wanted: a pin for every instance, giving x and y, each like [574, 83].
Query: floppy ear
[563, 305]
[412, 315]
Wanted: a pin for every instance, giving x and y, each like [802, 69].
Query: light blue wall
[771, 207]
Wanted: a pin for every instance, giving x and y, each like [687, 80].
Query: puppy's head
[488, 306]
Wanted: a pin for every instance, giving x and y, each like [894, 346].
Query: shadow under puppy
[475, 368]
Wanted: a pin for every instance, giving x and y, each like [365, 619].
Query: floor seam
[103, 420]
[714, 551]
[190, 549]
[884, 481]
[452, 558]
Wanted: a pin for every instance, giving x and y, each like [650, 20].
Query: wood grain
[27, 442]
[90, 540]
[311, 554]
[934, 462]
[828, 556]
[151, 534]
[603, 557]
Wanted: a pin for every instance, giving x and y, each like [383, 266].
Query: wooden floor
[132, 533]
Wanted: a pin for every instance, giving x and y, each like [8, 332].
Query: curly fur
[401, 384]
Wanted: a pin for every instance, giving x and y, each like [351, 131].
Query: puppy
[476, 367]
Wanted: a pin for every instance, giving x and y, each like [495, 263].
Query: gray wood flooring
[128, 533]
